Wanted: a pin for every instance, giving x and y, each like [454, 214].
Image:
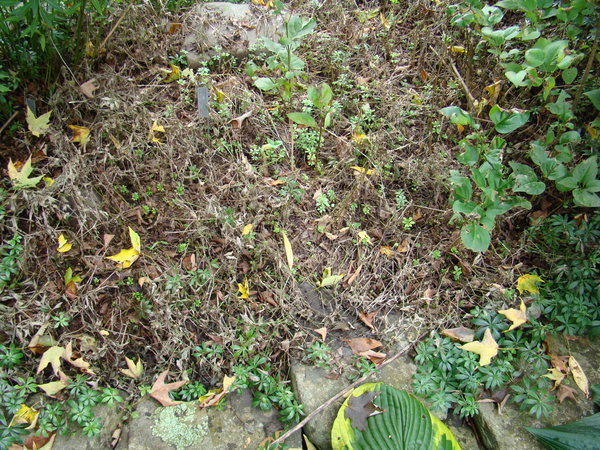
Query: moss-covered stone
[177, 426]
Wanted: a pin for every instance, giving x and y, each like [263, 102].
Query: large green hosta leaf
[404, 424]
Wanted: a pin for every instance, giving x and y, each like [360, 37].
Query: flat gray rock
[236, 425]
[505, 432]
[110, 417]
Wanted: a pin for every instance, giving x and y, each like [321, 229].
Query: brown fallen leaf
[360, 345]
[322, 332]
[565, 392]
[88, 88]
[84, 366]
[160, 390]
[269, 297]
[461, 334]
[174, 27]
[360, 408]
[236, 123]
[189, 262]
[367, 319]
[354, 276]
[214, 397]
[404, 246]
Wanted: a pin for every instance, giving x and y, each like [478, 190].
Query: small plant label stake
[202, 96]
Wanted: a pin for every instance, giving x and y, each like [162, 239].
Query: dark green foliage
[580, 435]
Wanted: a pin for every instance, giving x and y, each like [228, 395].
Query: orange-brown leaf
[160, 390]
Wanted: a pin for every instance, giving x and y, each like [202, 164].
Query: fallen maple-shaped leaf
[387, 251]
[487, 348]
[579, 376]
[25, 415]
[53, 387]
[565, 392]
[360, 408]
[20, 178]
[322, 332]
[51, 356]
[237, 122]
[244, 289]
[461, 334]
[364, 238]
[367, 319]
[555, 375]
[63, 245]
[134, 370]
[84, 366]
[80, 134]
[517, 316]
[160, 390]
[88, 88]
[125, 258]
[154, 130]
[38, 125]
[172, 75]
[364, 347]
[215, 396]
[528, 283]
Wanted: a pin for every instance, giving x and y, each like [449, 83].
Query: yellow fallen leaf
[358, 137]
[134, 370]
[517, 316]
[555, 375]
[592, 131]
[457, 49]
[53, 387]
[20, 178]
[384, 21]
[289, 254]
[173, 75]
[309, 445]
[363, 170]
[364, 238]
[387, 251]
[155, 128]
[80, 363]
[487, 348]
[104, 333]
[527, 283]
[49, 181]
[24, 414]
[51, 356]
[125, 258]
[63, 245]
[247, 229]
[38, 125]
[579, 376]
[80, 134]
[244, 289]
[220, 95]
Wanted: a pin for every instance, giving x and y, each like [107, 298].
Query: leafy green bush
[570, 297]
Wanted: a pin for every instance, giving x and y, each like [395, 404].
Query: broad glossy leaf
[303, 119]
[404, 423]
[507, 121]
[475, 237]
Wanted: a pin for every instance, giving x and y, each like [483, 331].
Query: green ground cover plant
[362, 131]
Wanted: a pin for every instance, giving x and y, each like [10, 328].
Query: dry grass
[204, 187]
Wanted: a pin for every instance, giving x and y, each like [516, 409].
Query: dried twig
[7, 123]
[459, 78]
[110, 33]
[340, 394]
[588, 67]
